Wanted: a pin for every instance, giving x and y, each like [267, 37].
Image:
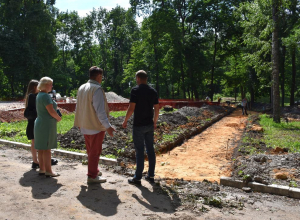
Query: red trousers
[94, 148]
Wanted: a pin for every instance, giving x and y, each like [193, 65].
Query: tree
[275, 62]
[27, 42]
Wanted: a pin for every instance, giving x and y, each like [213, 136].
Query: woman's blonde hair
[43, 82]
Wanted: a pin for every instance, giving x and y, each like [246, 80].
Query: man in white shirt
[91, 117]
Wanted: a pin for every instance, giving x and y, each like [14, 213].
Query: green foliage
[283, 135]
[117, 114]
[169, 137]
[111, 156]
[27, 43]
[241, 173]
[190, 49]
[216, 202]
[293, 183]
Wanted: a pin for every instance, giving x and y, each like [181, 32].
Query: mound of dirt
[18, 115]
[265, 168]
[11, 116]
[291, 112]
[114, 98]
[172, 119]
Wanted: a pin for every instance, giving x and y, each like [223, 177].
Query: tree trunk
[156, 69]
[213, 68]
[293, 84]
[242, 92]
[283, 75]
[275, 63]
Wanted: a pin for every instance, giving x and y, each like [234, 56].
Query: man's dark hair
[94, 71]
[141, 74]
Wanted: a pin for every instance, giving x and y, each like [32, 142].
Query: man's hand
[124, 125]
[58, 119]
[110, 131]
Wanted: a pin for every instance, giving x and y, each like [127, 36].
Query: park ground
[200, 162]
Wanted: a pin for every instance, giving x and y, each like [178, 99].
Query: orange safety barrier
[124, 106]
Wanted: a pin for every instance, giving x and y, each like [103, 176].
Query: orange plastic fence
[123, 106]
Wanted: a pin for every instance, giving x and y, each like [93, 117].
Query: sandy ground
[26, 195]
[204, 156]
[9, 105]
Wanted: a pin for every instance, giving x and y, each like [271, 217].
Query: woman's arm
[52, 112]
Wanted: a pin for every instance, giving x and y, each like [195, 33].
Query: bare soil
[207, 155]
[26, 195]
[186, 183]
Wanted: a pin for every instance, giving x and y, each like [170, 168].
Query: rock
[251, 202]
[263, 159]
[259, 179]
[247, 189]
[278, 150]
[168, 108]
[247, 178]
[257, 128]
[281, 176]
[260, 158]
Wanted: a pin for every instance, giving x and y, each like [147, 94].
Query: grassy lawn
[16, 131]
[283, 135]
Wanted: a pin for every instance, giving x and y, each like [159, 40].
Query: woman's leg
[34, 152]
[47, 161]
[41, 159]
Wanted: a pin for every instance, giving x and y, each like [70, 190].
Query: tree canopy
[190, 48]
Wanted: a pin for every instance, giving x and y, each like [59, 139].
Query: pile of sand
[114, 98]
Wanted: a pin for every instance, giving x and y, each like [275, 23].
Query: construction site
[203, 168]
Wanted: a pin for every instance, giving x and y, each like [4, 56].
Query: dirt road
[204, 156]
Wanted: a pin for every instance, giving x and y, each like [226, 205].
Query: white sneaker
[98, 179]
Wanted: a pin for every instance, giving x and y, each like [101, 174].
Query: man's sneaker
[134, 182]
[149, 179]
[98, 179]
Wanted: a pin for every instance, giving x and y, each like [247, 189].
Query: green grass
[117, 114]
[283, 135]
[169, 137]
[67, 122]
[162, 111]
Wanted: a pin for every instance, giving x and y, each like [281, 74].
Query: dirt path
[26, 195]
[204, 156]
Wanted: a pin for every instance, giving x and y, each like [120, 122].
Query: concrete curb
[68, 154]
[258, 187]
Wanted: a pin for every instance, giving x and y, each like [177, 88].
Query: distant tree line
[190, 48]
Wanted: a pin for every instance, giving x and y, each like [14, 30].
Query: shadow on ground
[103, 201]
[106, 201]
[42, 187]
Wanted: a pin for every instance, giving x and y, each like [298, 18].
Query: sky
[85, 6]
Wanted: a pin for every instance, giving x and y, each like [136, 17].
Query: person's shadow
[102, 201]
[158, 200]
[42, 187]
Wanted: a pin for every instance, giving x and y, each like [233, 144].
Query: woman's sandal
[41, 172]
[52, 174]
[35, 165]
